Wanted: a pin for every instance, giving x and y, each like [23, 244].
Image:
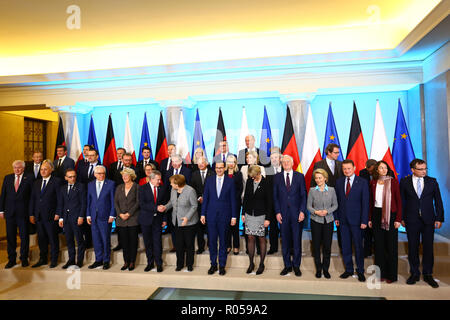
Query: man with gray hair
[14, 201]
[250, 146]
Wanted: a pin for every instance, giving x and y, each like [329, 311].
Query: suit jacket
[29, 170]
[163, 166]
[72, 204]
[103, 207]
[44, 205]
[129, 203]
[184, 205]
[148, 207]
[396, 200]
[355, 209]
[219, 158]
[429, 206]
[83, 174]
[14, 203]
[140, 171]
[364, 173]
[322, 200]
[259, 202]
[270, 171]
[289, 203]
[332, 177]
[221, 208]
[263, 160]
[60, 171]
[185, 171]
[196, 181]
[116, 175]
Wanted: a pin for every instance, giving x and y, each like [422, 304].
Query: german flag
[60, 140]
[161, 145]
[356, 149]
[110, 154]
[289, 145]
[221, 135]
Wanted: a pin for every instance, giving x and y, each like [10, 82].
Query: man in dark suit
[250, 146]
[43, 212]
[140, 166]
[219, 211]
[366, 173]
[86, 173]
[100, 215]
[34, 168]
[198, 183]
[224, 153]
[116, 167]
[127, 162]
[72, 211]
[63, 162]
[14, 202]
[152, 220]
[85, 162]
[352, 216]
[274, 168]
[166, 164]
[330, 164]
[289, 198]
[423, 211]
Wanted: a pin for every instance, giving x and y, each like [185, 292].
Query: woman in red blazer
[385, 218]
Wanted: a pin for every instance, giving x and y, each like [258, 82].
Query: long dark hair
[375, 173]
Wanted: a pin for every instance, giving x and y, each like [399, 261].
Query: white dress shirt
[331, 164]
[414, 181]
[291, 173]
[379, 195]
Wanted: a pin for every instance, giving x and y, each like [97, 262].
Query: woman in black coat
[232, 171]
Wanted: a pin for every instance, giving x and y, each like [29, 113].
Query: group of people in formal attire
[197, 200]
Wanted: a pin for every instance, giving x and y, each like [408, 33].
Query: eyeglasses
[70, 177]
[421, 169]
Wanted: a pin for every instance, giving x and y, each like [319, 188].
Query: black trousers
[386, 246]
[153, 241]
[185, 237]
[201, 231]
[415, 231]
[368, 241]
[322, 235]
[129, 238]
[274, 233]
[48, 235]
[73, 231]
[233, 237]
[12, 224]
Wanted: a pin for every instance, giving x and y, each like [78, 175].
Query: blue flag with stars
[198, 137]
[92, 138]
[402, 150]
[266, 136]
[331, 135]
[145, 139]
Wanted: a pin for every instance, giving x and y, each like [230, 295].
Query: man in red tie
[352, 217]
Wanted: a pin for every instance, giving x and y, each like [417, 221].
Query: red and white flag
[182, 142]
[311, 151]
[380, 148]
[128, 142]
[76, 153]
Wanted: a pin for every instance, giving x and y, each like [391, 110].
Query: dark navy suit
[43, 206]
[60, 171]
[419, 215]
[290, 204]
[73, 206]
[100, 209]
[151, 221]
[15, 207]
[352, 212]
[218, 212]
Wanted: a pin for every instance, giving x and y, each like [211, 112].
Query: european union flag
[402, 150]
[198, 137]
[92, 138]
[145, 139]
[266, 136]
[331, 135]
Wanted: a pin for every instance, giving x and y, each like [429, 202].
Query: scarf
[386, 207]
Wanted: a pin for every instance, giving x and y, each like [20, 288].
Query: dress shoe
[228, 250]
[190, 268]
[236, 252]
[149, 267]
[297, 272]
[173, 249]
[10, 264]
[25, 263]
[96, 264]
[200, 251]
[212, 269]
[250, 268]
[413, 279]
[361, 277]
[125, 266]
[159, 268]
[389, 281]
[326, 274]
[106, 266]
[319, 274]
[53, 265]
[39, 263]
[68, 264]
[271, 251]
[429, 279]
[345, 275]
[117, 248]
[178, 269]
[285, 271]
[80, 264]
[131, 266]
[260, 269]
[222, 271]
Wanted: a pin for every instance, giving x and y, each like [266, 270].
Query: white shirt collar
[62, 159]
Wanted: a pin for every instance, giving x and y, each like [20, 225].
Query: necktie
[99, 188]
[332, 167]
[219, 186]
[288, 182]
[43, 186]
[16, 184]
[203, 177]
[36, 170]
[59, 162]
[419, 188]
[223, 158]
[91, 169]
[170, 164]
[154, 194]
[119, 165]
[70, 188]
[348, 187]
[176, 171]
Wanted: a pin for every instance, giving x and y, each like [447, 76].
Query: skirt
[254, 225]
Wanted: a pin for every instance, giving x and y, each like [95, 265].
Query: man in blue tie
[423, 211]
[219, 210]
[100, 216]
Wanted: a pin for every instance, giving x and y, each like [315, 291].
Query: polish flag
[182, 144]
[380, 148]
[311, 151]
[128, 142]
[244, 132]
[76, 153]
